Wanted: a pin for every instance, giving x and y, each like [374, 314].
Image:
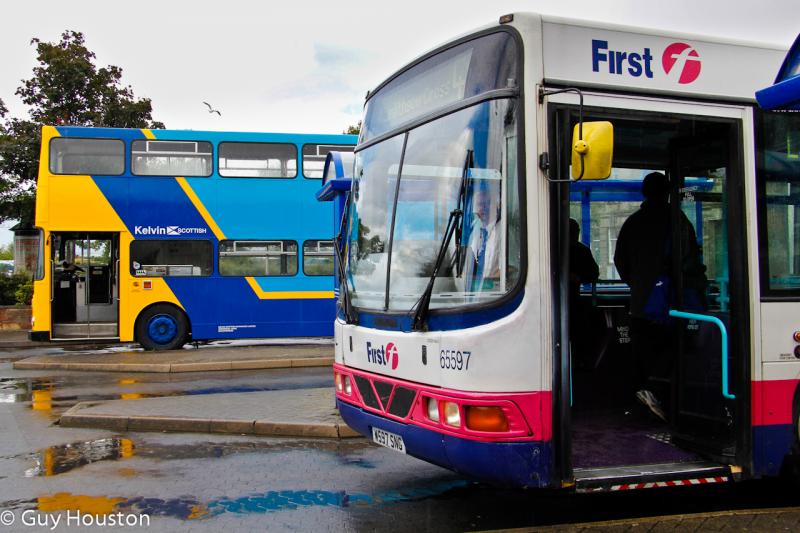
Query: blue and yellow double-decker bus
[164, 236]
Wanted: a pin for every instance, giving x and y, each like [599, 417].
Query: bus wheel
[162, 327]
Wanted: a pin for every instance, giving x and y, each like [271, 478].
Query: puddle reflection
[19, 390]
[60, 459]
[189, 508]
[63, 458]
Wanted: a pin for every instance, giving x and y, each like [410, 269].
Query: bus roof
[633, 59]
[199, 135]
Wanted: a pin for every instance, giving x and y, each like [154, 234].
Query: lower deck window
[258, 258]
[171, 258]
[318, 258]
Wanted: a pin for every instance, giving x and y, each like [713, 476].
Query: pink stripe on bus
[772, 401]
[530, 414]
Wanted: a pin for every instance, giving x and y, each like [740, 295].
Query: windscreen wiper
[344, 291]
[462, 205]
[455, 225]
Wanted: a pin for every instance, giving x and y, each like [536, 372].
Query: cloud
[353, 109]
[333, 67]
[314, 85]
[328, 55]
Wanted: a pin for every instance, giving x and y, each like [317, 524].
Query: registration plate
[389, 440]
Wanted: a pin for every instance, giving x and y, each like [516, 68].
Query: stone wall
[15, 317]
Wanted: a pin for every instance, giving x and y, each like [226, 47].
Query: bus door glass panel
[99, 255]
[79, 260]
[65, 280]
[699, 172]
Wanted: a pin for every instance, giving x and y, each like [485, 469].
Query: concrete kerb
[75, 419]
[205, 366]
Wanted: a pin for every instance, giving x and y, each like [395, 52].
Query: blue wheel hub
[162, 329]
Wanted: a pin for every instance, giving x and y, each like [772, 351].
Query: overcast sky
[305, 66]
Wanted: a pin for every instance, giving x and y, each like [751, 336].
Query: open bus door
[606, 439]
[85, 285]
[709, 303]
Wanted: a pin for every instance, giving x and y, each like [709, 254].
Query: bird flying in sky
[211, 109]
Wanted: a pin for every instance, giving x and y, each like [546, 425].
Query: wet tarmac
[341, 485]
[220, 482]
[56, 391]
[15, 354]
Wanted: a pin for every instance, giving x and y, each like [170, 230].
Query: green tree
[7, 251]
[66, 88]
[353, 129]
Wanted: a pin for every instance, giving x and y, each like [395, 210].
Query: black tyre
[162, 327]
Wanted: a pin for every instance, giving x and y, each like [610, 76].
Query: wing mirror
[592, 150]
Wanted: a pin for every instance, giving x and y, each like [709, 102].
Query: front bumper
[517, 464]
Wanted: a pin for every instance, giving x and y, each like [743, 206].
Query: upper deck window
[171, 158]
[87, 156]
[257, 160]
[314, 157]
[469, 69]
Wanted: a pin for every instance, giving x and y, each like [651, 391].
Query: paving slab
[785, 519]
[187, 360]
[284, 413]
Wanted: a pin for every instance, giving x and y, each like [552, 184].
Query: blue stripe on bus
[440, 322]
[771, 445]
[153, 202]
[217, 304]
[519, 464]
[281, 205]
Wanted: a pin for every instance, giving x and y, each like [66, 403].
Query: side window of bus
[87, 156]
[171, 158]
[318, 258]
[257, 160]
[314, 157]
[258, 258]
[171, 258]
[779, 203]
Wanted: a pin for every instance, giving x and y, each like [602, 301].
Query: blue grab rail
[724, 331]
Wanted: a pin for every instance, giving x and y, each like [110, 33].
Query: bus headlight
[433, 409]
[347, 387]
[452, 416]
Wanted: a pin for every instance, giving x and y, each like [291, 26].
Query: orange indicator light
[796, 336]
[486, 419]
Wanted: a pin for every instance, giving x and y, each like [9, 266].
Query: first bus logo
[385, 355]
[680, 61]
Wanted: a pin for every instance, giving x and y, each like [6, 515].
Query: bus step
[619, 478]
[85, 331]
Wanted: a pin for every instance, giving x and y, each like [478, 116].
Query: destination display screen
[469, 69]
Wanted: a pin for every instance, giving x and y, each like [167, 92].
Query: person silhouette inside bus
[482, 258]
[644, 260]
[582, 269]
[582, 266]
[70, 268]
